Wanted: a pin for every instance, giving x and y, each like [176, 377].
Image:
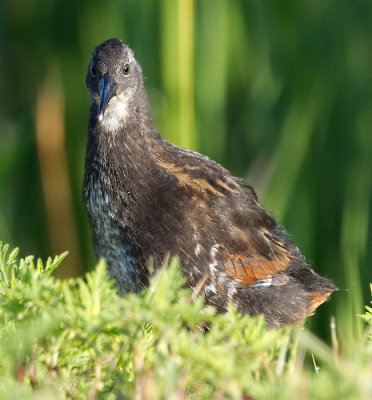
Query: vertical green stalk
[186, 72]
[291, 152]
[211, 72]
[169, 62]
[354, 234]
[178, 122]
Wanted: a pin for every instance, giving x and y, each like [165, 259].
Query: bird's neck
[124, 153]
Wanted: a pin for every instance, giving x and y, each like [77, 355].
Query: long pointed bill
[107, 88]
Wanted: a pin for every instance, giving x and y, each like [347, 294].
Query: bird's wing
[257, 261]
[249, 246]
[253, 259]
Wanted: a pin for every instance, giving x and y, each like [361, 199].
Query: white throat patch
[116, 112]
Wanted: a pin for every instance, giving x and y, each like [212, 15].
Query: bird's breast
[110, 239]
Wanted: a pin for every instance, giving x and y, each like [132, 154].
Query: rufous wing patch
[251, 266]
[249, 269]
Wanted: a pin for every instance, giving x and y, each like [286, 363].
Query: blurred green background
[279, 92]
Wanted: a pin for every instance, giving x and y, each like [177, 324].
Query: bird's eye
[93, 70]
[126, 69]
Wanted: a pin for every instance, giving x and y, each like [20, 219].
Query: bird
[147, 198]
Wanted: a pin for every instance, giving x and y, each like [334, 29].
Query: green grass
[78, 339]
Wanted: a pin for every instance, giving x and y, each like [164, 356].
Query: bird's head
[113, 79]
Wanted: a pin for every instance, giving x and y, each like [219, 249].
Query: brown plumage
[147, 198]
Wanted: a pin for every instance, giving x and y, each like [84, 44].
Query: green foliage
[367, 316]
[78, 339]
